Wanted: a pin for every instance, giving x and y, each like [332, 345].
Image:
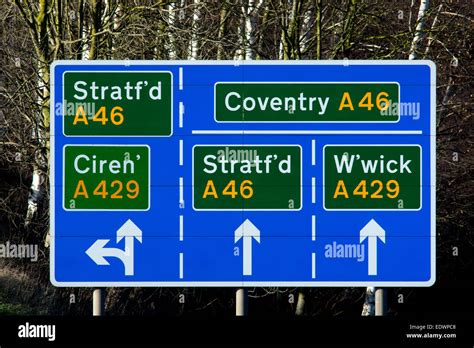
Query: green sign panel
[306, 102]
[372, 177]
[106, 177]
[109, 103]
[254, 177]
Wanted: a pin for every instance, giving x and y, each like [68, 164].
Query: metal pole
[98, 302]
[241, 305]
[380, 302]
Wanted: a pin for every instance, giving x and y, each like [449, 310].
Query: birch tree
[36, 19]
[318, 20]
[36, 32]
[247, 29]
[194, 42]
[223, 14]
[171, 44]
[420, 25]
[369, 304]
[306, 30]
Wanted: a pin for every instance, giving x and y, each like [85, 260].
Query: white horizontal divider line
[307, 132]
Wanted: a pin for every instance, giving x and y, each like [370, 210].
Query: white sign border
[432, 135]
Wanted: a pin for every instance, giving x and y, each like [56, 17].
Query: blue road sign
[301, 173]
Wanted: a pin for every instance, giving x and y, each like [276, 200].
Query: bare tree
[194, 43]
[36, 19]
[34, 33]
[420, 24]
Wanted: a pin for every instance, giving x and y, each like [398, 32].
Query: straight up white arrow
[247, 231]
[372, 231]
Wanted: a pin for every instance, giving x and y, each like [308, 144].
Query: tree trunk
[290, 24]
[221, 34]
[193, 45]
[39, 33]
[96, 8]
[171, 44]
[318, 28]
[305, 36]
[263, 26]
[247, 29]
[418, 37]
[430, 37]
[251, 17]
[80, 30]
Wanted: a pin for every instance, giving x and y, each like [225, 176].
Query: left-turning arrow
[97, 251]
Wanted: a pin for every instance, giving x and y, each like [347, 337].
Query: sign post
[98, 302]
[380, 302]
[262, 173]
[241, 302]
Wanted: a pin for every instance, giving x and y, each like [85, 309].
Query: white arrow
[372, 231]
[97, 252]
[129, 231]
[247, 231]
